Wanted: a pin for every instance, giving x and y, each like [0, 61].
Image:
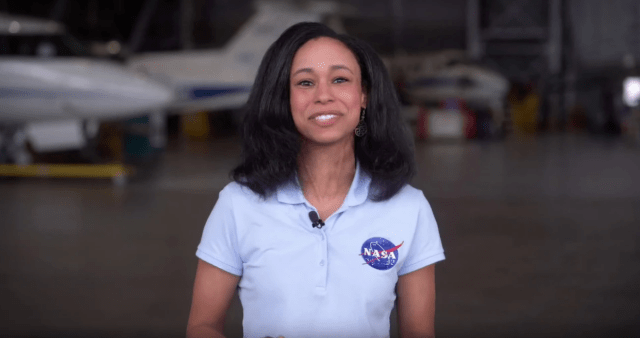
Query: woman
[320, 225]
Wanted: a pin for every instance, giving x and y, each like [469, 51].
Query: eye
[340, 80]
[304, 83]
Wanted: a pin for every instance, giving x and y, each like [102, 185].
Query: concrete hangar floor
[541, 238]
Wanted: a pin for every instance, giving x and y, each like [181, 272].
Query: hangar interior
[119, 127]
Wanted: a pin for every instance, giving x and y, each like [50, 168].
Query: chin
[329, 139]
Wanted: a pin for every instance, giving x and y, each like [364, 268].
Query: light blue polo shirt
[300, 281]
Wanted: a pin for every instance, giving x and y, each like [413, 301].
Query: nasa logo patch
[379, 253]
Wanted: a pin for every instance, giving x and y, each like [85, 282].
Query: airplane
[433, 78]
[53, 96]
[219, 79]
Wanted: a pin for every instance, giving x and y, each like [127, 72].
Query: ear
[363, 99]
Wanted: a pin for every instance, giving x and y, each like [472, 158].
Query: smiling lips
[324, 118]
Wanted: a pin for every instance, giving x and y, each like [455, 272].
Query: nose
[323, 93]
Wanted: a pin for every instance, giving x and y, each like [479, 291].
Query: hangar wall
[604, 31]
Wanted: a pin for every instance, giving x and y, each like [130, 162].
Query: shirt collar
[291, 193]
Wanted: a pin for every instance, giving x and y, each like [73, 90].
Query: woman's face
[326, 91]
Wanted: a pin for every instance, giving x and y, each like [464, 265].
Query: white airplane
[54, 100]
[432, 78]
[208, 80]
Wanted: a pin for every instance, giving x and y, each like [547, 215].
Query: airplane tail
[272, 18]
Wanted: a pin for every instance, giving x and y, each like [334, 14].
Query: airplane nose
[144, 93]
[119, 92]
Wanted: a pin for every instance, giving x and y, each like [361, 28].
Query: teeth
[325, 117]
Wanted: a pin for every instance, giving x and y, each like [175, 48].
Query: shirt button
[322, 263]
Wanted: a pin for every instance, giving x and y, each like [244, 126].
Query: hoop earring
[361, 129]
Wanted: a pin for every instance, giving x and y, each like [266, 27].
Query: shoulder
[234, 189]
[407, 202]
[238, 194]
[408, 195]
[408, 191]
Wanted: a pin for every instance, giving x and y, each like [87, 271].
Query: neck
[326, 171]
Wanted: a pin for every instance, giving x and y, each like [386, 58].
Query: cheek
[296, 102]
[347, 96]
[299, 104]
[351, 98]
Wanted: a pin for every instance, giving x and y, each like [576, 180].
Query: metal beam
[514, 11]
[397, 25]
[555, 36]
[58, 10]
[142, 23]
[515, 49]
[515, 33]
[474, 42]
[186, 24]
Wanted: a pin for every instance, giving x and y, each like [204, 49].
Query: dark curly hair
[271, 142]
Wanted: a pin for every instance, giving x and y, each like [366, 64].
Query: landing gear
[16, 161]
[158, 130]
[13, 146]
[138, 142]
[90, 133]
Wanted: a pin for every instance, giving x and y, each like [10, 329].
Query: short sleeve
[426, 247]
[219, 243]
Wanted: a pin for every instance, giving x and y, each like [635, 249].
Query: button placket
[323, 261]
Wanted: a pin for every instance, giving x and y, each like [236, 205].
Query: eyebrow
[309, 70]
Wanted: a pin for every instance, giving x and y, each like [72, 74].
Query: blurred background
[118, 128]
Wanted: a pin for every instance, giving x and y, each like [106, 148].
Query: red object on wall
[422, 127]
[470, 125]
